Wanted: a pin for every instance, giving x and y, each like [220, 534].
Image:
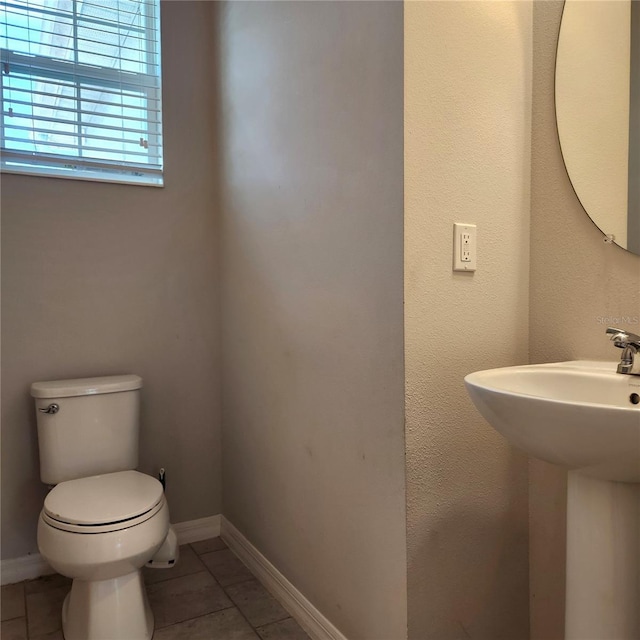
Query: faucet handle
[622, 338]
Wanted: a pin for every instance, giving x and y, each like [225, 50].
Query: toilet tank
[94, 429]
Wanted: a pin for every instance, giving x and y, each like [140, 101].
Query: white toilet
[103, 521]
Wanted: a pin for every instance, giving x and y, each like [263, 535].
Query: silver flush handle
[52, 408]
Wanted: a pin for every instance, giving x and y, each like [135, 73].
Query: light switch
[464, 247]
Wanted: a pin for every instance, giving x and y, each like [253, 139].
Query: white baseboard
[196, 530]
[314, 623]
[25, 568]
[34, 565]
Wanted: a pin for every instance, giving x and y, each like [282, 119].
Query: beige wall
[579, 285]
[103, 279]
[467, 159]
[313, 434]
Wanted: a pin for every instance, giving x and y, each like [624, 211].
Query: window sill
[87, 176]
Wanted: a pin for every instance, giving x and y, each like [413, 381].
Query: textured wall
[579, 285]
[467, 159]
[101, 279]
[313, 435]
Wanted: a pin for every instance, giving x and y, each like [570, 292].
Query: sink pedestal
[603, 559]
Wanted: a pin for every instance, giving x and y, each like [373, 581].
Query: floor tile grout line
[203, 615]
[15, 617]
[244, 617]
[266, 624]
[205, 552]
[224, 590]
[184, 575]
[233, 584]
[233, 604]
[255, 579]
[211, 574]
[223, 587]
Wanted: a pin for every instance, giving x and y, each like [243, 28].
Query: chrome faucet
[630, 345]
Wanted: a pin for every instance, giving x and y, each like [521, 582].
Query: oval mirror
[598, 112]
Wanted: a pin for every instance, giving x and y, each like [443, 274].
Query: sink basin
[579, 415]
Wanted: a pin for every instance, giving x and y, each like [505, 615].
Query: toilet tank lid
[85, 386]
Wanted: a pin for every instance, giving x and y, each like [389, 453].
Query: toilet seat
[99, 504]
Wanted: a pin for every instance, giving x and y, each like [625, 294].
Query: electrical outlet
[464, 247]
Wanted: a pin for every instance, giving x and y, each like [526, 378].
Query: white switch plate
[464, 247]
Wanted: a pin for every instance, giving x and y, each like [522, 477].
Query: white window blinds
[80, 89]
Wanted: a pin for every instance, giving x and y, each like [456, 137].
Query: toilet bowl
[100, 531]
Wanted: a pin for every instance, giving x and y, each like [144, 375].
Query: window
[80, 89]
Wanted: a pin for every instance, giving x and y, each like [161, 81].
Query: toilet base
[115, 609]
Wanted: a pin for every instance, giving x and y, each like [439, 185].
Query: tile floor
[208, 595]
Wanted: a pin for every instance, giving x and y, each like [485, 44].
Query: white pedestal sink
[584, 417]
